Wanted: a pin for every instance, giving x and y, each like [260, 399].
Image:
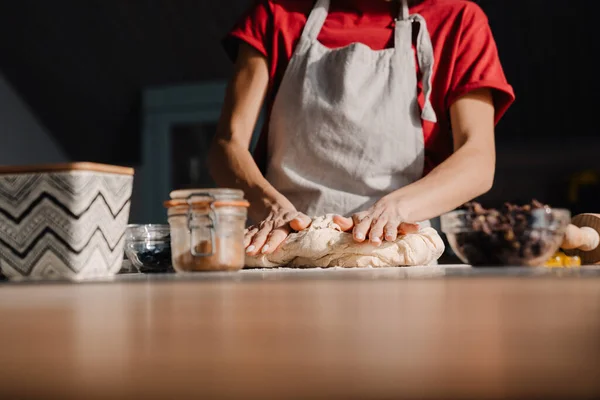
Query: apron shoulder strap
[424, 52]
[426, 61]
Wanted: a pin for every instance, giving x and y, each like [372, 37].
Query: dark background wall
[23, 139]
[78, 68]
[80, 65]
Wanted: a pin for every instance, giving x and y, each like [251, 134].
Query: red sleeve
[477, 64]
[254, 28]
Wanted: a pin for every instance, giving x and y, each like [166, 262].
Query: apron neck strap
[319, 13]
[315, 20]
[404, 10]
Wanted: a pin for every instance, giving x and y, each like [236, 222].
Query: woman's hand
[383, 221]
[273, 230]
[465, 175]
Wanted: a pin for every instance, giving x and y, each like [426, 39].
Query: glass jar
[148, 248]
[207, 229]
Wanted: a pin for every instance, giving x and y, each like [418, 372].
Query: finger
[259, 241]
[406, 228]
[276, 237]
[263, 224]
[345, 224]
[361, 229]
[300, 222]
[376, 231]
[284, 219]
[290, 215]
[391, 231]
[358, 217]
[248, 236]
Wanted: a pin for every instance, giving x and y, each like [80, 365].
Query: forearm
[232, 165]
[468, 173]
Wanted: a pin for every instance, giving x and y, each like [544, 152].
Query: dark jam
[155, 259]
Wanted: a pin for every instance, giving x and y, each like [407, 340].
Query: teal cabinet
[169, 115]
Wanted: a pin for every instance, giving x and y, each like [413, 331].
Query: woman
[380, 112]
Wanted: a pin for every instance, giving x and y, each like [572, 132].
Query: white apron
[346, 127]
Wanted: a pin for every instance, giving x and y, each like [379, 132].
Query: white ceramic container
[63, 221]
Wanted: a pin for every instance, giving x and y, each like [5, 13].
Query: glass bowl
[148, 248]
[526, 240]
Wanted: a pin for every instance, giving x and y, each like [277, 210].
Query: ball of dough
[324, 245]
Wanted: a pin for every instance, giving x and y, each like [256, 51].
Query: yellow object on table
[561, 260]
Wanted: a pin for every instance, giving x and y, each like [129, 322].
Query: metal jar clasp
[212, 225]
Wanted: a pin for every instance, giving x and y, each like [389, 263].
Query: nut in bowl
[148, 248]
[514, 236]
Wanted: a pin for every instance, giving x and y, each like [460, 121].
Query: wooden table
[432, 334]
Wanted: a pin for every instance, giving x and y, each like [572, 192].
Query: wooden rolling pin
[582, 238]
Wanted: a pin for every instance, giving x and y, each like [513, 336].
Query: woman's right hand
[267, 236]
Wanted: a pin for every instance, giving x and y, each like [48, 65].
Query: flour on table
[324, 245]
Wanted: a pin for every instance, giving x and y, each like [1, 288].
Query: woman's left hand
[383, 221]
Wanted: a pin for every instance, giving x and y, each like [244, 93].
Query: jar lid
[215, 194]
[205, 202]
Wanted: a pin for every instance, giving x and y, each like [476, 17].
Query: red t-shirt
[466, 57]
